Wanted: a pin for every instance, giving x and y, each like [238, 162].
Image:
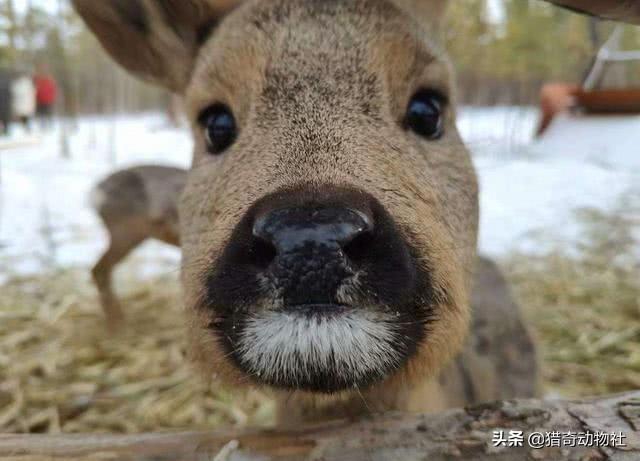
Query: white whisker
[285, 347]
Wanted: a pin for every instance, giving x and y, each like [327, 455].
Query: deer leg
[165, 233]
[121, 244]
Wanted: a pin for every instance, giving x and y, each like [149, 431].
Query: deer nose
[295, 228]
[309, 252]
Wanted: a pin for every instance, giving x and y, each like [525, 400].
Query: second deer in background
[135, 204]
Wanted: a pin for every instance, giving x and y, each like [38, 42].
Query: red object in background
[610, 101]
[46, 90]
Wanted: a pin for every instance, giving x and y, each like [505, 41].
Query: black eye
[424, 115]
[219, 128]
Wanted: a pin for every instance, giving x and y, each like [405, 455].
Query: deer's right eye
[424, 114]
[220, 129]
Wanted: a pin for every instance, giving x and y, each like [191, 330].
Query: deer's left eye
[219, 128]
[424, 115]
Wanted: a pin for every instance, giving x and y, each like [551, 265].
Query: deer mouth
[322, 349]
[319, 295]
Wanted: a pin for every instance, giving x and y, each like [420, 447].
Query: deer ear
[156, 40]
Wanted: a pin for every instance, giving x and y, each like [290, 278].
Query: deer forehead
[361, 56]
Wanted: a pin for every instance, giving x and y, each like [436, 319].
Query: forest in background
[501, 57]
[506, 60]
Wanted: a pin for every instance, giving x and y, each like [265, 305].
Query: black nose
[313, 247]
[309, 251]
[291, 229]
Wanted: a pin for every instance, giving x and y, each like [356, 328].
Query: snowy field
[45, 217]
[531, 190]
[528, 189]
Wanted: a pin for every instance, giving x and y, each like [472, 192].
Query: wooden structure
[593, 96]
[609, 101]
[465, 434]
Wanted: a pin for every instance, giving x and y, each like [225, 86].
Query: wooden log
[616, 10]
[457, 434]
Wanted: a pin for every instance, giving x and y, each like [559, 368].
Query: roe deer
[329, 220]
[125, 199]
[134, 205]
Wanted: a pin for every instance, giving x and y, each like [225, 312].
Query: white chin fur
[288, 347]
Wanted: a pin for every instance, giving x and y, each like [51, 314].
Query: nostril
[358, 240]
[359, 247]
[259, 229]
[262, 250]
[262, 253]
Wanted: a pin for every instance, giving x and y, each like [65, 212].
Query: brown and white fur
[134, 204]
[319, 91]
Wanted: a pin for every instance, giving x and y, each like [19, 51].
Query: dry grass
[584, 304]
[61, 371]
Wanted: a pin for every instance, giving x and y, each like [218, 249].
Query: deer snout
[318, 289]
[315, 248]
[310, 251]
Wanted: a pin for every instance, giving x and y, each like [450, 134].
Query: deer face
[329, 221]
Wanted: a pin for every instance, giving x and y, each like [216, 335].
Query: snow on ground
[527, 188]
[531, 191]
[45, 217]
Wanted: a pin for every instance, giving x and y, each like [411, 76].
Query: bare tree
[12, 27]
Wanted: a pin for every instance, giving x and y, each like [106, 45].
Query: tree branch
[457, 434]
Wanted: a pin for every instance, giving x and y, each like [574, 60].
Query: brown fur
[319, 90]
[497, 362]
